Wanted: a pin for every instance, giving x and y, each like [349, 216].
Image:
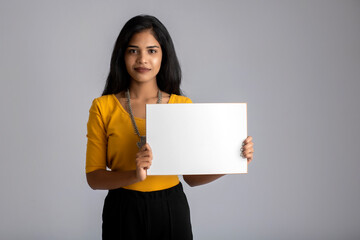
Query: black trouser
[164, 214]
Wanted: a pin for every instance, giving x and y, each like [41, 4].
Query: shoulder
[104, 99]
[180, 99]
[103, 104]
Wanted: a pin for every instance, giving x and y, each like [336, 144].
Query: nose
[141, 58]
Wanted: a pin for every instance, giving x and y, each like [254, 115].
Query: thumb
[144, 147]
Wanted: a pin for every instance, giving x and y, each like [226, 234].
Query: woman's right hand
[143, 161]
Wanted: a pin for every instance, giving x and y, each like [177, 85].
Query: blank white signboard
[197, 138]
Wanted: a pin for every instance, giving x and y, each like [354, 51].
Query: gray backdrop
[296, 64]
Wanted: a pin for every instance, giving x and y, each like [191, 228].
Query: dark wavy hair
[169, 77]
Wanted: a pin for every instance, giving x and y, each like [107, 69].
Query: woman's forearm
[196, 180]
[106, 180]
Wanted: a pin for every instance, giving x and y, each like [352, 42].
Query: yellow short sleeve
[97, 140]
[188, 100]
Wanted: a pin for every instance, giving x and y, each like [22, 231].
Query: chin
[143, 78]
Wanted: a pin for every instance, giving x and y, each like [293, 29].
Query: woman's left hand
[247, 150]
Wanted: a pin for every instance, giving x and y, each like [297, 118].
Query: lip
[142, 69]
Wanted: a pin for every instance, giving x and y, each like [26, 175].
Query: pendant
[142, 141]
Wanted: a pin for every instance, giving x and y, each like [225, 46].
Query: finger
[250, 150]
[146, 147]
[144, 159]
[141, 152]
[143, 148]
[144, 165]
[145, 154]
[247, 140]
[248, 146]
[249, 156]
[245, 152]
[147, 168]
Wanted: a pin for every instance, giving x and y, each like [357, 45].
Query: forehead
[144, 38]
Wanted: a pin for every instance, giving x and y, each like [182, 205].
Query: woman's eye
[152, 51]
[132, 51]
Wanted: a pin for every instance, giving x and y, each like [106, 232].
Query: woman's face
[143, 57]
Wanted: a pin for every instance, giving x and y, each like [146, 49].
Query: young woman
[144, 69]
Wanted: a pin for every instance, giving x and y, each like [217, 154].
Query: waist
[165, 193]
[154, 183]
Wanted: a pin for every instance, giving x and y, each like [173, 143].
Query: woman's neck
[143, 91]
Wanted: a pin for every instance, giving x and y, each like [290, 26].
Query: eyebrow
[133, 46]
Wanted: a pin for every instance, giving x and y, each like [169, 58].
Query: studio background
[296, 64]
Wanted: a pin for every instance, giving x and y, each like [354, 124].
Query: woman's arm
[196, 180]
[106, 180]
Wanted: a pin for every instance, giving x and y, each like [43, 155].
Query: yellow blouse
[112, 141]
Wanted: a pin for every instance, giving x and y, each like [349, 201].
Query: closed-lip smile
[142, 69]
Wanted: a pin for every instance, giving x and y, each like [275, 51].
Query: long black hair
[169, 77]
